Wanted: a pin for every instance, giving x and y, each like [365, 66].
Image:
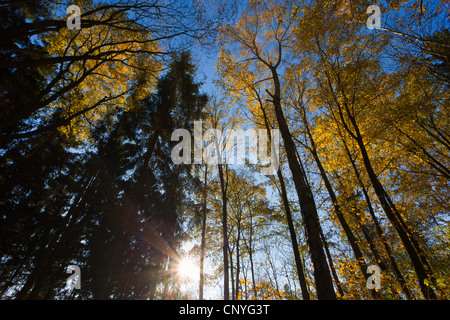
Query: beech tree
[262, 34]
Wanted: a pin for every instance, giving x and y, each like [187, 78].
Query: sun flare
[188, 269]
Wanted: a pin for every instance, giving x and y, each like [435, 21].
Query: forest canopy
[353, 116]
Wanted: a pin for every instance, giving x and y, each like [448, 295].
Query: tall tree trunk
[226, 276]
[293, 235]
[287, 210]
[379, 229]
[250, 254]
[418, 259]
[230, 255]
[202, 247]
[322, 276]
[250, 251]
[415, 252]
[330, 262]
[411, 245]
[337, 209]
[238, 259]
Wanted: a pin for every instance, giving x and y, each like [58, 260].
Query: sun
[187, 269]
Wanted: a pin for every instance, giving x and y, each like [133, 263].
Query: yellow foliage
[262, 291]
[115, 65]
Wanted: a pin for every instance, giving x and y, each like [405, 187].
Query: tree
[235, 80]
[344, 68]
[114, 40]
[262, 37]
[123, 219]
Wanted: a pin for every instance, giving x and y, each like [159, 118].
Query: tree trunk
[230, 255]
[297, 258]
[226, 276]
[202, 248]
[322, 276]
[420, 264]
[330, 262]
[416, 254]
[347, 230]
[287, 210]
[337, 209]
[238, 259]
[250, 254]
[292, 233]
[379, 229]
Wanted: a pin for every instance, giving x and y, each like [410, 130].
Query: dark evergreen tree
[115, 212]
